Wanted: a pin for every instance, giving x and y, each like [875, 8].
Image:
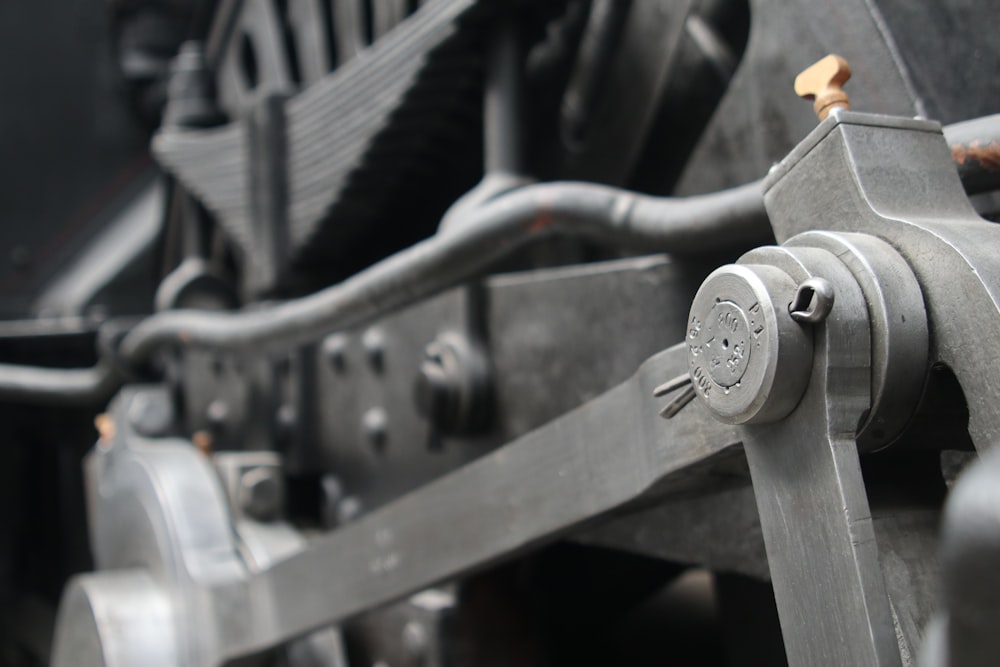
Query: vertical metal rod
[503, 149]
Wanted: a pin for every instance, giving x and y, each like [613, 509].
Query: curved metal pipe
[62, 386]
[461, 251]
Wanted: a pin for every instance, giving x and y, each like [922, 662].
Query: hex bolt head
[217, 413]
[260, 493]
[375, 423]
[335, 351]
[151, 413]
[349, 509]
[452, 386]
[373, 342]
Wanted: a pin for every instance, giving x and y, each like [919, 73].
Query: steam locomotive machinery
[442, 371]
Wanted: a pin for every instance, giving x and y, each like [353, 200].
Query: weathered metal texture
[896, 71]
[589, 327]
[368, 430]
[899, 336]
[717, 529]
[894, 178]
[615, 450]
[811, 496]
[891, 177]
[351, 396]
[605, 454]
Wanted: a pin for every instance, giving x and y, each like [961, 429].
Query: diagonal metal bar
[607, 453]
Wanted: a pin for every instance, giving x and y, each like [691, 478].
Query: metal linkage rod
[468, 247]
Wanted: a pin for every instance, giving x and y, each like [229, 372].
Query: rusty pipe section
[489, 232]
[975, 149]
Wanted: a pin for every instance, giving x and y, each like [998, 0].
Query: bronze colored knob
[822, 82]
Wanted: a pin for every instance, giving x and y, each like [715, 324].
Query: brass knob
[822, 82]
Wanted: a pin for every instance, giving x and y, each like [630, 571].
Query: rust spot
[987, 157]
[203, 441]
[543, 219]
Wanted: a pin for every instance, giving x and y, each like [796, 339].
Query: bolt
[217, 413]
[452, 387]
[260, 493]
[373, 342]
[435, 391]
[415, 641]
[151, 414]
[332, 494]
[335, 351]
[286, 418]
[376, 427]
[348, 510]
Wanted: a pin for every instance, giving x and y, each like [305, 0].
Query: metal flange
[899, 332]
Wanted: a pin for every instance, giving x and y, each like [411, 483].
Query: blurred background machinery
[374, 303]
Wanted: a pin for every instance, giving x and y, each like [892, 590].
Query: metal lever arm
[814, 511]
[609, 452]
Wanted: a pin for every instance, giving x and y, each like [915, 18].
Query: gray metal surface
[116, 619]
[606, 454]
[166, 526]
[899, 335]
[811, 497]
[894, 178]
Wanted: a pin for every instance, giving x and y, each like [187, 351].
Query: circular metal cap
[726, 344]
[749, 360]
